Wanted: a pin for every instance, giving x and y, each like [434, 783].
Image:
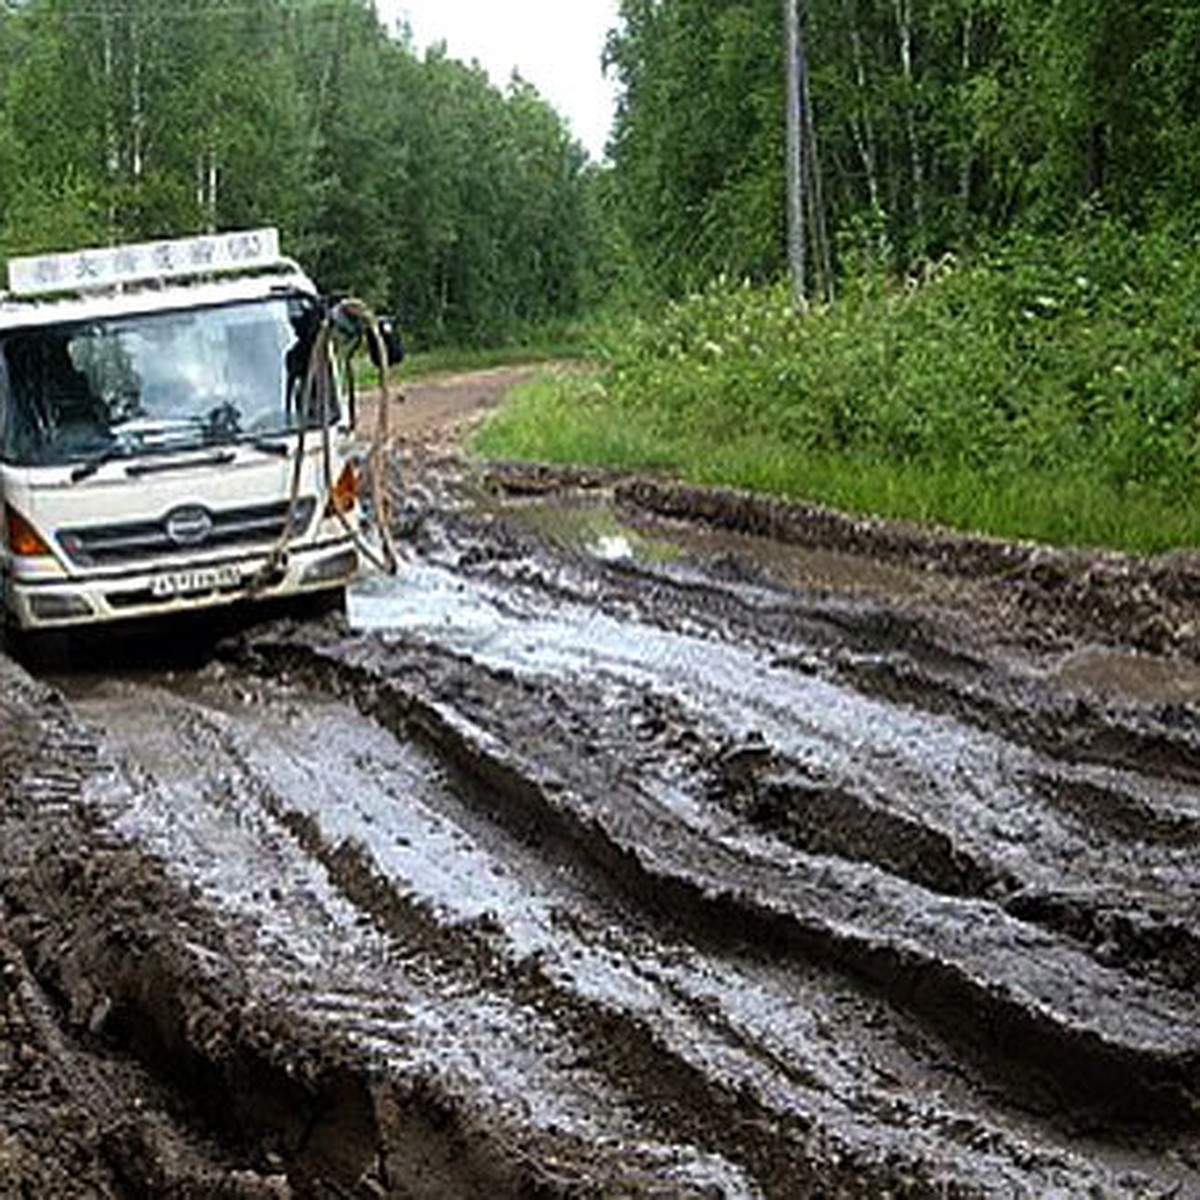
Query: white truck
[175, 433]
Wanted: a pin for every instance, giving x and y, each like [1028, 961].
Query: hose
[316, 388]
[376, 456]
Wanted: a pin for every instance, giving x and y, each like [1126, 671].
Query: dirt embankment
[637, 840]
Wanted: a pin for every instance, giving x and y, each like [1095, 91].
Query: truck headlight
[328, 570]
[23, 539]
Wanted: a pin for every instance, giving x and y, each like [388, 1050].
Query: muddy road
[636, 840]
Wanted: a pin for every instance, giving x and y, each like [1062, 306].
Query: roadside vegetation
[1049, 388]
[1006, 211]
[552, 343]
[1008, 190]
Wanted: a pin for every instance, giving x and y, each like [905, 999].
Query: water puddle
[596, 528]
[512, 629]
[593, 526]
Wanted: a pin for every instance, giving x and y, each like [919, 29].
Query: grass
[424, 363]
[563, 419]
[1047, 390]
[552, 342]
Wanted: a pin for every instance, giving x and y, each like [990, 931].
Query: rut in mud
[607, 854]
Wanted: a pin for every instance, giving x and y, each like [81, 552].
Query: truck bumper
[93, 599]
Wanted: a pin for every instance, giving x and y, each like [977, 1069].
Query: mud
[636, 840]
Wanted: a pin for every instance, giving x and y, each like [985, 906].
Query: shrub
[1045, 387]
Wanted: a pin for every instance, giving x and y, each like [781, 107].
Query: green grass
[1048, 390]
[423, 363]
[570, 420]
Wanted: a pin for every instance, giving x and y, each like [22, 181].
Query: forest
[938, 124]
[1003, 327]
[464, 203]
[1003, 333]
[414, 180]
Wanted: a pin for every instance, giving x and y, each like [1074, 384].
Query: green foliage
[549, 342]
[1048, 388]
[463, 207]
[937, 123]
[699, 138]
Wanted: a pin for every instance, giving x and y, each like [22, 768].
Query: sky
[555, 44]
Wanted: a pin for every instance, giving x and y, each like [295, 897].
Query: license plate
[202, 579]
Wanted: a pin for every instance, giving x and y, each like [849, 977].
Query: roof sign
[109, 266]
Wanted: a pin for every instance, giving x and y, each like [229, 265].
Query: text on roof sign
[111, 266]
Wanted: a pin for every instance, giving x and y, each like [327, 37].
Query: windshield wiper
[88, 468]
[138, 469]
[93, 464]
[267, 446]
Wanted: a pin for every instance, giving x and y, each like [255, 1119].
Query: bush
[1046, 388]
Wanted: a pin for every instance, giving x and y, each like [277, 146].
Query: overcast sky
[555, 44]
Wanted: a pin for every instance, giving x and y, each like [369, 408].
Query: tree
[699, 145]
[940, 121]
[416, 183]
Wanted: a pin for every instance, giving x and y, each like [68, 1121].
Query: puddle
[594, 527]
[808, 718]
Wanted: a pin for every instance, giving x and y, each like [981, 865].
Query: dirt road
[636, 840]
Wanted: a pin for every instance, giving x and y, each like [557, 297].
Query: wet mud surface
[636, 840]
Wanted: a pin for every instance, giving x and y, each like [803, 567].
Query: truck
[177, 432]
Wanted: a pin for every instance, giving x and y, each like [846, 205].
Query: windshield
[164, 381]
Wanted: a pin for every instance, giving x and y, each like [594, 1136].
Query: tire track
[587, 878]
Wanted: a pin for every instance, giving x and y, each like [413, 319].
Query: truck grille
[132, 542]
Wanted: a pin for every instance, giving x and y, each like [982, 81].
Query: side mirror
[393, 344]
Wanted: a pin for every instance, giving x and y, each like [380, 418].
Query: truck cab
[162, 446]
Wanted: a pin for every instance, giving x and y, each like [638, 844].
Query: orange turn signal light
[23, 540]
[345, 492]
